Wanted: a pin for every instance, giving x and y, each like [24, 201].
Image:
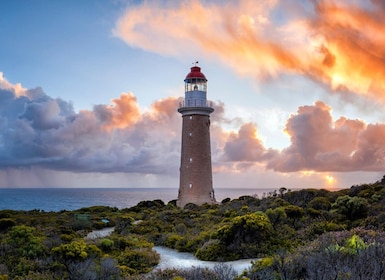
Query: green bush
[212, 250]
[6, 223]
[351, 207]
[24, 241]
[131, 241]
[276, 216]
[321, 227]
[172, 239]
[106, 244]
[320, 203]
[138, 260]
[244, 236]
[76, 250]
[67, 237]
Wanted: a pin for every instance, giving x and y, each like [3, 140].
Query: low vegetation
[305, 234]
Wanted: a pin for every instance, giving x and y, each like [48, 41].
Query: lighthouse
[196, 183]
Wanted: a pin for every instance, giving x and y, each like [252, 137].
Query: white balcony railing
[196, 103]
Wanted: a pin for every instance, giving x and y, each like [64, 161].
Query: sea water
[54, 199]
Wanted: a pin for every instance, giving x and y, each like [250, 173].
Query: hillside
[305, 234]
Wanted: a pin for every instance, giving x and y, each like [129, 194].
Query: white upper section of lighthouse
[195, 102]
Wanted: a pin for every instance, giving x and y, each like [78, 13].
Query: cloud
[320, 144]
[45, 135]
[352, 43]
[317, 144]
[43, 115]
[123, 113]
[337, 43]
[37, 130]
[40, 132]
[244, 145]
[16, 89]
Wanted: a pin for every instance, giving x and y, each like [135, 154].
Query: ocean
[53, 199]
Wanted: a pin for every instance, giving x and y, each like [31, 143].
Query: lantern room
[195, 80]
[195, 99]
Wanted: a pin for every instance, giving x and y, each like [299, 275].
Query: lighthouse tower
[196, 183]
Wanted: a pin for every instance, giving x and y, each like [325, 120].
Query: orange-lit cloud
[123, 113]
[17, 88]
[352, 43]
[238, 151]
[244, 145]
[337, 43]
[318, 144]
[321, 144]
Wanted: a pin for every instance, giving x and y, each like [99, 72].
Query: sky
[89, 91]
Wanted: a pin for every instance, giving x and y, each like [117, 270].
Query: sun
[330, 180]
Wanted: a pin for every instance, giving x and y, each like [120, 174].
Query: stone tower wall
[196, 184]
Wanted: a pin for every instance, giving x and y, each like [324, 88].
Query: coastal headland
[298, 233]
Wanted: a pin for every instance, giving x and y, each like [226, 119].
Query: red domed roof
[195, 73]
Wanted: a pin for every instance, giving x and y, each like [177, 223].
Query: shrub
[224, 201]
[106, 244]
[67, 237]
[194, 273]
[109, 269]
[138, 260]
[337, 255]
[76, 250]
[276, 215]
[320, 203]
[212, 250]
[23, 241]
[244, 236]
[352, 207]
[172, 239]
[6, 223]
[319, 228]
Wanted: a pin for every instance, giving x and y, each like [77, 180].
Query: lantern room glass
[195, 84]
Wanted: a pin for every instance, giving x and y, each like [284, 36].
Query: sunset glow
[330, 180]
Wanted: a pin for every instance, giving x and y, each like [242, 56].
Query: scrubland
[304, 234]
